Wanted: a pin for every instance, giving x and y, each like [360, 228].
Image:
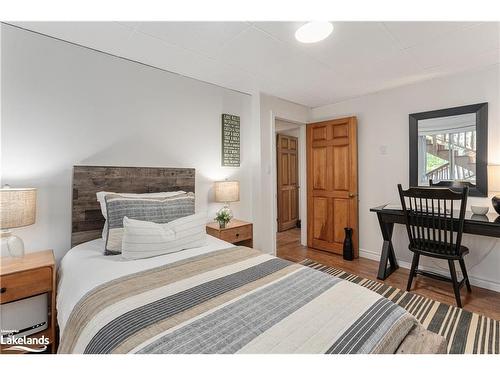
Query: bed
[217, 298]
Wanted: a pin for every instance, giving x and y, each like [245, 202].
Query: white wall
[64, 105]
[383, 122]
[286, 128]
[270, 109]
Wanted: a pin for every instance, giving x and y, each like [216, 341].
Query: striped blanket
[236, 300]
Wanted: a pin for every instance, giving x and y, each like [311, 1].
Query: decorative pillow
[157, 210]
[145, 239]
[101, 198]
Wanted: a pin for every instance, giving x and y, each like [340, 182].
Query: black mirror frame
[481, 111]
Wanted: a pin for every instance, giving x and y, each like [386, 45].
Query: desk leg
[387, 250]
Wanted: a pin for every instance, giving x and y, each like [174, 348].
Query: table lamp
[226, 192]
[17, 209]
[494, 185]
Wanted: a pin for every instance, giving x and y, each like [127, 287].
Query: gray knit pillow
[160, 210]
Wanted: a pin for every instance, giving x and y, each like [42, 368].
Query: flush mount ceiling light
[313, 32]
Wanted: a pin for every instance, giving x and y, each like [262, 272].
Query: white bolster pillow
[145, 239]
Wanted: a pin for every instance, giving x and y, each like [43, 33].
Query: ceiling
[357, 59]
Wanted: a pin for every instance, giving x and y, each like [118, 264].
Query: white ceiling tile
[253, 51]
[358, 44]
[473, 61]
[410, 34]
[400, 66]
[357, 59]
[456, 46]
[133, 25]
[350, 43]
[284, 31]
[204, 37]
[154, 51]
[108, 37]
[363, 79]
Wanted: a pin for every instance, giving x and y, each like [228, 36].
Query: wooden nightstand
[237, 232]
[29, 276]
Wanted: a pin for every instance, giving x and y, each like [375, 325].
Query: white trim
[303, 183]
[274, 206]
[474, 280]
[368, 254]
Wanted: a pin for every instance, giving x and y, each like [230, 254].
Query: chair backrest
[434, 218]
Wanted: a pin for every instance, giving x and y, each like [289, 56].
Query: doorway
[289, 174]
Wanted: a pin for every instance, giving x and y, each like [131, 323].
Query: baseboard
[368, 254]
[476, 281]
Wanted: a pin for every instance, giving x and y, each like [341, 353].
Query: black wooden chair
[435, 222]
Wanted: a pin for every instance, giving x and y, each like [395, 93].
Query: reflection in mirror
[447, 149]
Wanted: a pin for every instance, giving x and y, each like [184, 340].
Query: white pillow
[101, 198]
[145, 239]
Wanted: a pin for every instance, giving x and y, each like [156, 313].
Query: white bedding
[85, 267]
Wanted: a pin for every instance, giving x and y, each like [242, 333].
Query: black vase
[348, 252]
[496, 203]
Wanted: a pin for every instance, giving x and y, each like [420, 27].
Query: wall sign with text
[230, 140]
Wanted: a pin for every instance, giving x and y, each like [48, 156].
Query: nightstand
[237, 232]
[30, 276]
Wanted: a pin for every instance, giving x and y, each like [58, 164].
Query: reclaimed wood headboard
[86, 218]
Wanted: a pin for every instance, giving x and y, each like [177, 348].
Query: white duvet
[85, 267]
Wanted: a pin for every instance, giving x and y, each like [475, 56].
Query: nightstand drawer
[237, 234]
[25, 284]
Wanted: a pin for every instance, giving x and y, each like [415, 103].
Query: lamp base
[496, 203]
[14, 245]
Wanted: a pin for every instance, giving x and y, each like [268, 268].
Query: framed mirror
[449, 147]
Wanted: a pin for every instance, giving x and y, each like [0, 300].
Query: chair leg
[464, 272]
[414, 266]
[456, 289]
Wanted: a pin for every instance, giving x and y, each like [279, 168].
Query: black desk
[483, 225]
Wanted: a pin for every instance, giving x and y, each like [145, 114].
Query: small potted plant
[223, 217]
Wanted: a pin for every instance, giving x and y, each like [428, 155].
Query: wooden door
[288, 185]
[332, 184]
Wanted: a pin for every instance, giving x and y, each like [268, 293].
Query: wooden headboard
[86, 218]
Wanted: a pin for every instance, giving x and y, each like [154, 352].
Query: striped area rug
[466, 332]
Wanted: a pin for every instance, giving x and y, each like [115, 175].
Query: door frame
[355, 196]
[302, 179]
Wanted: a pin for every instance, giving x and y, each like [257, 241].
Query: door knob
[352, 195]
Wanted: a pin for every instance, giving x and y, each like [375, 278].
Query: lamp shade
[227, 191]
[17, 207]
[494, 178]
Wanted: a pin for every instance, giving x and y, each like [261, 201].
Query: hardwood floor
[481, 301]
